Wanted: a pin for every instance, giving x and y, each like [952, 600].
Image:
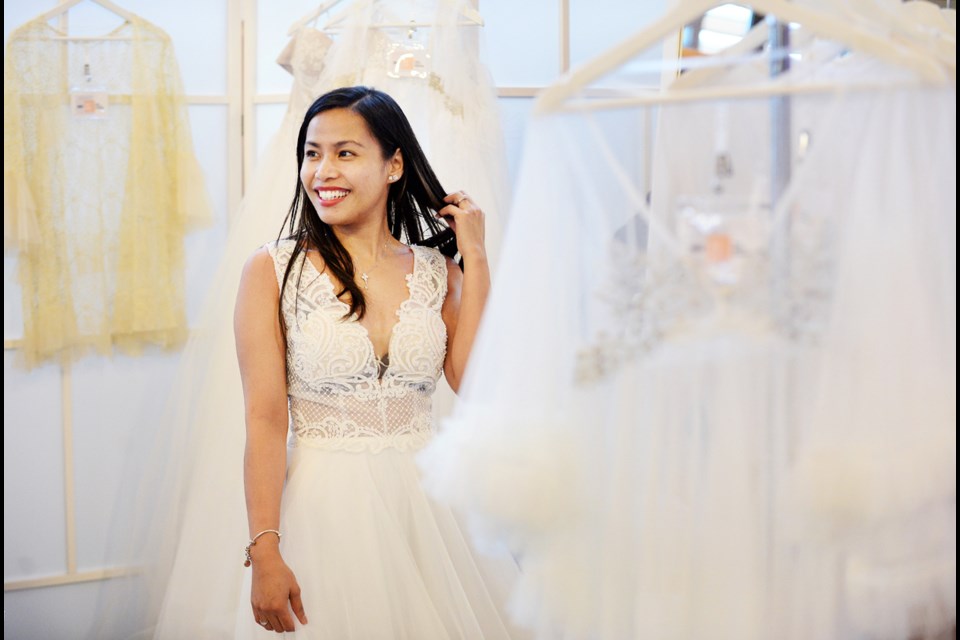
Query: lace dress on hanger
[98, 154]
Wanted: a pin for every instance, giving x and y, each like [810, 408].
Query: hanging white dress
[446, 93]
[660, 390]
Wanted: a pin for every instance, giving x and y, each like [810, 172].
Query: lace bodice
[338, 398]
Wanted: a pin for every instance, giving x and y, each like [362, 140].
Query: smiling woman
[345, 174]
[347, 364]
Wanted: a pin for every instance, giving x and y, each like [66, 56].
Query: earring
[392, 178]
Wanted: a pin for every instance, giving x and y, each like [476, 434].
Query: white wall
[68, 432]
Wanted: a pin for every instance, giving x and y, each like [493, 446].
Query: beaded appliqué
[652, 300]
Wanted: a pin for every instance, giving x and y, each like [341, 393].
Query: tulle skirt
[376, 558]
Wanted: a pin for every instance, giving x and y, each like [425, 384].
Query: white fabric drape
[713, 417]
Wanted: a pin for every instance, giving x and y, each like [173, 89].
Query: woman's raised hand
[467, 221]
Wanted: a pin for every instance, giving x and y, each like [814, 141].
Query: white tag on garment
[723, 236]
[89, 102]
[408, 58]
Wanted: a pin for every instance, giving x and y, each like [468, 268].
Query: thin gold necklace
[365, 274]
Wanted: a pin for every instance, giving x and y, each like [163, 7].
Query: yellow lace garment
[100, 184]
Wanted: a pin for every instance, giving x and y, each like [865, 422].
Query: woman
[342, 330]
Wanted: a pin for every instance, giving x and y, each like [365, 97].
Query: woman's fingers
[281, 620]
[467, 221]
[457, 198]
[297, 605]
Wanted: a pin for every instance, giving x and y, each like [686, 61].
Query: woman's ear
[396, 166]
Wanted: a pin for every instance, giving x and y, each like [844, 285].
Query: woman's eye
[346, 154]
[311, 154]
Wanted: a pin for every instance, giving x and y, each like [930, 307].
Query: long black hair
[412, 201]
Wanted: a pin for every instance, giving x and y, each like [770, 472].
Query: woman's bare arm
[261, 353]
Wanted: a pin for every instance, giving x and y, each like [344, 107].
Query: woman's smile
[331, 196]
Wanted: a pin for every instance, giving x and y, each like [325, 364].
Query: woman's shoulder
[271, 257]
[259, 271]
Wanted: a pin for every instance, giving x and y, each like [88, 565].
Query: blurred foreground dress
[697, 413]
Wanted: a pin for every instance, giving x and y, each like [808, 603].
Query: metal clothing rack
[781, 403]
[779, 40]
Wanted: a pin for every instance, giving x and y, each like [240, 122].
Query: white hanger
[684, 12]
[755, 38]
[471, 18]
[918, 24]
[929, 28]
[740, 51]
[312, 16]
[929, 15]
[950, 17]
[66, 5]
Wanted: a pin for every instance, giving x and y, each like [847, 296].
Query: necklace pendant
[366, 279]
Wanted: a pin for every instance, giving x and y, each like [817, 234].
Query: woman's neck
[365, 243]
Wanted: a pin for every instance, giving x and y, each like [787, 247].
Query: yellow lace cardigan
[100, 184]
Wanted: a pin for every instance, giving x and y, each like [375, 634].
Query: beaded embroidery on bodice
[338, 398]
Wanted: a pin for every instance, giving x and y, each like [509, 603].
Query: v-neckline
[376, 360]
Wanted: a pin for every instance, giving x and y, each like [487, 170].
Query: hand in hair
[467, 221]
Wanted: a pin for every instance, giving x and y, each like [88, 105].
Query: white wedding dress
[182, 519]
[723, 419]
[373, 555]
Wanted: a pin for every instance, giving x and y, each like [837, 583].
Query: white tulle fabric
[749, 440]
[180, 524]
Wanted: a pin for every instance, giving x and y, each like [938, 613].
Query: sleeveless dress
[181, 516]
[374, 556]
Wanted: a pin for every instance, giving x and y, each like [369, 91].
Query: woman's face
[343, 170]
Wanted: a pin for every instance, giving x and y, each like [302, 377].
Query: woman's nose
[325, 169]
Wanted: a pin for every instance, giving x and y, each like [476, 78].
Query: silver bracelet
[253, 541]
